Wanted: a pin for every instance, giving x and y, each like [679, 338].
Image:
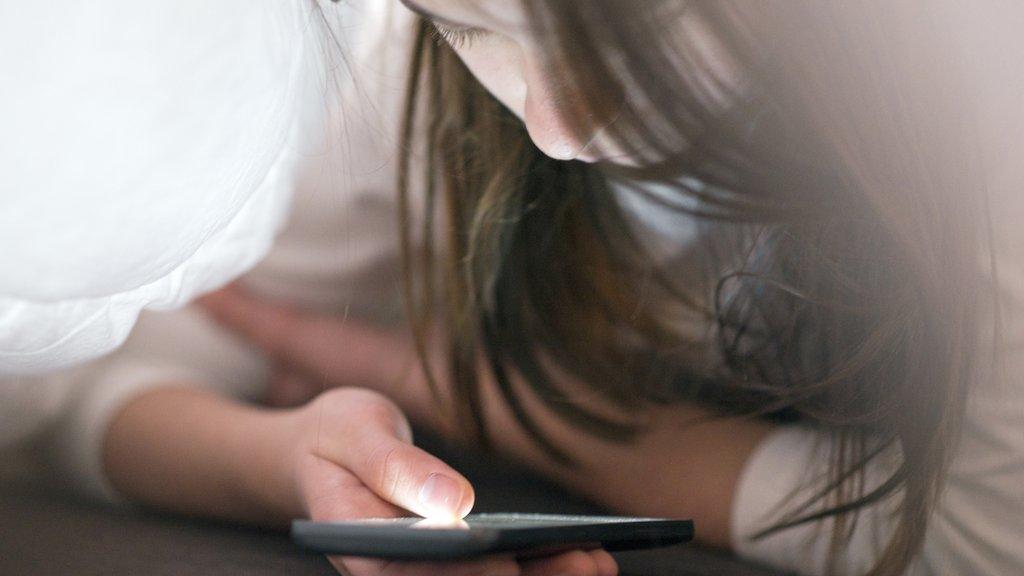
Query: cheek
[517, 81]
[498, 65]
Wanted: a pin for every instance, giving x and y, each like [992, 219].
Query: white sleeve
[977, 526]
[787, 468]
[147, 157]
[68, 412]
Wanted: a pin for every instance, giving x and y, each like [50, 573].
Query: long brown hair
[833, 179]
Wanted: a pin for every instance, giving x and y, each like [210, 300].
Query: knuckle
[375, 407]
[582, 563]
[382, 465]
[355, 400]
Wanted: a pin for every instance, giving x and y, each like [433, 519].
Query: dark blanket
[46, 534]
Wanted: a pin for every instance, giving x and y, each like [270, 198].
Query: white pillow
[146, 156]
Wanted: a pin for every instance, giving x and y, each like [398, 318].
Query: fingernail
[441, 494]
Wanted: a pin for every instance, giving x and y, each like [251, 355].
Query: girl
[765, 306]
[786, 267]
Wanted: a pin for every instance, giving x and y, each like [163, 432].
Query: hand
[311, 353]
[350, 456]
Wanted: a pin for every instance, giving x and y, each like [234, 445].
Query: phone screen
[495, 521]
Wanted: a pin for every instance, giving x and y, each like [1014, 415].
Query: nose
[544, 117]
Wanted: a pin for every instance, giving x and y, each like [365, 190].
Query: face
[494, 39]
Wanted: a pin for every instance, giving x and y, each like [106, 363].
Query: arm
[685, 466]
[733, 476]
[190, 451]
[346, 455]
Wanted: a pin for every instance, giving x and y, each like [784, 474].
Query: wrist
[270, 447]
[188, 450]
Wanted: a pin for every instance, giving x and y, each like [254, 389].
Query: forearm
[683, 467]
[192, 452]
[687, 465]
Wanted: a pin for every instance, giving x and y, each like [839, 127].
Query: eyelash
[456, 37]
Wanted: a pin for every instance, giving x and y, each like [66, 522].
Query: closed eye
[456, 37]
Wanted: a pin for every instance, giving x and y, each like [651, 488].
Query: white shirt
[339, 254]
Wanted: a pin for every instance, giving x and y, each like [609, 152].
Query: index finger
[372, 445]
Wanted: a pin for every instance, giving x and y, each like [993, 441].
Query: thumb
[376, 449]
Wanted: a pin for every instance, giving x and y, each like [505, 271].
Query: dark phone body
[525, 535]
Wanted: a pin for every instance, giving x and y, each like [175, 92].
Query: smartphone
[524, 535]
